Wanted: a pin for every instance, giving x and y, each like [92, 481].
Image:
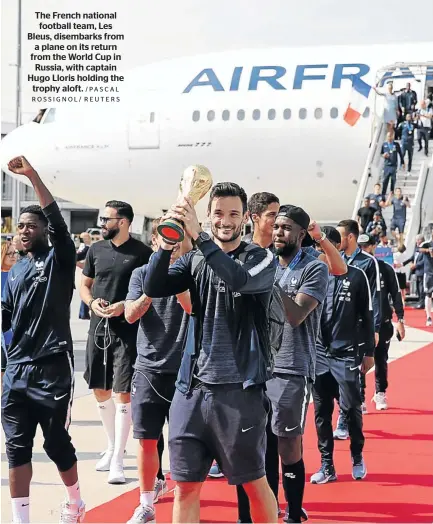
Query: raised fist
[20, 166]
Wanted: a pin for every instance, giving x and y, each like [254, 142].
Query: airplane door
[143, 131]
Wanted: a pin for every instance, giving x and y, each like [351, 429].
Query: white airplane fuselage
[270, 120]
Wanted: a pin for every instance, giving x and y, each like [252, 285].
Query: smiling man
[39, 379]
[219, 409]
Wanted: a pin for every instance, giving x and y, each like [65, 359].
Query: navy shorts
[39, 392]
[223, 422]
[151, 396]
[398, 223]
[290, 396]
[113, 367]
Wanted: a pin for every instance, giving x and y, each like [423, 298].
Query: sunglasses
[104, 220]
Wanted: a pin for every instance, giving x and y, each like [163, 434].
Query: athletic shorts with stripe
[39, 392]
[290, 396]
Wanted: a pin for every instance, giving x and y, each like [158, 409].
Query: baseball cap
[366, 240]
[298, 215]
[332, 234]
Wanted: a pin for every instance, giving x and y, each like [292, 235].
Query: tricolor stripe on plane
[358, 101]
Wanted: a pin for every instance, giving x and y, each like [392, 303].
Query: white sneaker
[116, 475]
[429, 322]
[104, 462]
[380, 400]
[161, 489]
[142, 515]
[71, 513]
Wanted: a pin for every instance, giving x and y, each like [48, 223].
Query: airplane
[267, 119]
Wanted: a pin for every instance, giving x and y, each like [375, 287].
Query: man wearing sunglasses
[112, 344]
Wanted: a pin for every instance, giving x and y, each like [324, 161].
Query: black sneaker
[304, 516]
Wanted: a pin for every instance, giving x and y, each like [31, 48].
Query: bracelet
[90, 303]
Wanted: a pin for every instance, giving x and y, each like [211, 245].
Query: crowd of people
[224, 337]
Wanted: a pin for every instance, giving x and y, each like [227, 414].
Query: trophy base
[171, 231]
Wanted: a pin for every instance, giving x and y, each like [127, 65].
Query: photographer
[377, 226]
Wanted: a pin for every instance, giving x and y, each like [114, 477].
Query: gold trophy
[196, 181]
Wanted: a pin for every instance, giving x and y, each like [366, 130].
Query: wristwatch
[202, 237]
[401, 320]
[322, 237]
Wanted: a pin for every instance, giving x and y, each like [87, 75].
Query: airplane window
[256, 114]
[211, 115]
[152, 117]
[318, 113]
[196, 116]
[287, 114]
[271, 114]
[366, 113]
[334, 112]
[226, 115]
[302, 113]
[241, 114]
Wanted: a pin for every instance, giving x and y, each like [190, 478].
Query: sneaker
[104, 462]
[364, 408]
[359, 470]
[71, 513]
[215, 471]
[325, 474]
[161, 489]
[142, 514]
[116, 475]
[380, 400]
[342, 430]
[304, 516]
[429, 322]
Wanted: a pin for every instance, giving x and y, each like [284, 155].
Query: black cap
[377, 214]
[298, 215]
[366, 240]
[332, 234]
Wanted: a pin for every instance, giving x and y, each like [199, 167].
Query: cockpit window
[50, 116]
[38, 118]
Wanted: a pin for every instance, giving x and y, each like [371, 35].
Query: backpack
[276, 311]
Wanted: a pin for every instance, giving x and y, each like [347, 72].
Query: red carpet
[398, 453]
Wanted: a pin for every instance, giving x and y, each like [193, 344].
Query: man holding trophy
[219, 410]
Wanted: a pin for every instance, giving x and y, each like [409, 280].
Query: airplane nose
[29, 140]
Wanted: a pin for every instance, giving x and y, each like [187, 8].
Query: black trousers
[408, 147]
[272, 464]
[423, 133]
[420, 289]
[380, 360]
[334, 384]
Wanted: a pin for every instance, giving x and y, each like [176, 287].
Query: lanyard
[290, 267]
[352, 258]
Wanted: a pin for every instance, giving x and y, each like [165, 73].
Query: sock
[294, 484]
[21, 509]
[428, 301]
[146, 498]
[122, 427]
[160, 474]
[107, 412]
[73, 493]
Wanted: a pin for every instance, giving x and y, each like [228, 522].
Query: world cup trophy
[196, 181]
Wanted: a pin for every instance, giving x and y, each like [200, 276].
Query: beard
[236, 233]
[109, 234]
[287, 250]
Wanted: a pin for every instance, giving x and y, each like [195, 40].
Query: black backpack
[276, 311]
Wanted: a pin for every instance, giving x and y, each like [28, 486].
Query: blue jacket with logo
[250, 285]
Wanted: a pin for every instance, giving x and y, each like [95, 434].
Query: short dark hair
[228, 189]
[155, 224]
[36, 210]
[124, 210]
[259, 202]
[350, 226]
[382, 234]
